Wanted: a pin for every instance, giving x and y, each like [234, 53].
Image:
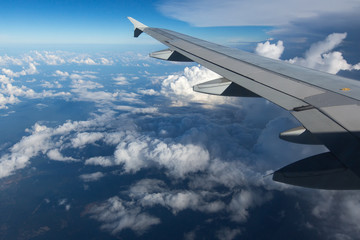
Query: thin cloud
[228, 233]
[92, 177]
[120, 80]
[205, 13]
[117, 215]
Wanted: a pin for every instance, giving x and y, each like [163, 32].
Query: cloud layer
[183, 153]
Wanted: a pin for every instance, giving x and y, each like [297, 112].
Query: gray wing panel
[318, 100]
[316, 78]
[273, 85]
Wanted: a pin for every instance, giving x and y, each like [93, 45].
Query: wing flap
[223, 87]
[299, 135]
[170, 55]
[321, 171]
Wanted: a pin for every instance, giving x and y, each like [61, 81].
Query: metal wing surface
[328, 106]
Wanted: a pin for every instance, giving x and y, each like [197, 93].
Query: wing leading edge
[328, 106]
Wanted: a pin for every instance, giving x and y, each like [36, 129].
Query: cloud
[31, 70]
[105, 61]
[5, 80]
[6, 60]
[62, 202]
[4, 101]
[81, 86]
[82, 81]
[91, 177]
[54, 84]
[22, 151]
[152, 192]
[49, 58]
[199, 156]
[120, 80]
[137, 152]
[227, 233]
[336, 213]
[207, 164]
[150, 92]
[117, 215]
[205, 13]
[44, 140]
[82, 139]
[242, 201]
[86, 60]
[321, 57]
[179, 87]
[61, 74]
[100, 161]
[54, 154]
[136, 110]
[269, 50]
[9, 94]
[54, 58]
[61, 57]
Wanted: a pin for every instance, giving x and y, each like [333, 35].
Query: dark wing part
[328, 106]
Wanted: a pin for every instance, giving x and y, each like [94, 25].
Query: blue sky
[96, 22]
[235, 23]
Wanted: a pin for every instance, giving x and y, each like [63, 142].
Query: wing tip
[137, 24]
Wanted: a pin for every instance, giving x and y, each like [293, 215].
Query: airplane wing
[328, 106]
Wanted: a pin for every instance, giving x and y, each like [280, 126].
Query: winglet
[138, 26]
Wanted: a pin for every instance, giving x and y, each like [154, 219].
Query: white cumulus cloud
[120, 80]
[320, 56]
[54, 154]
[179, 87]
[29, 71]
[46, 141]
[91, 177]
[85, 138]
[269, 50]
